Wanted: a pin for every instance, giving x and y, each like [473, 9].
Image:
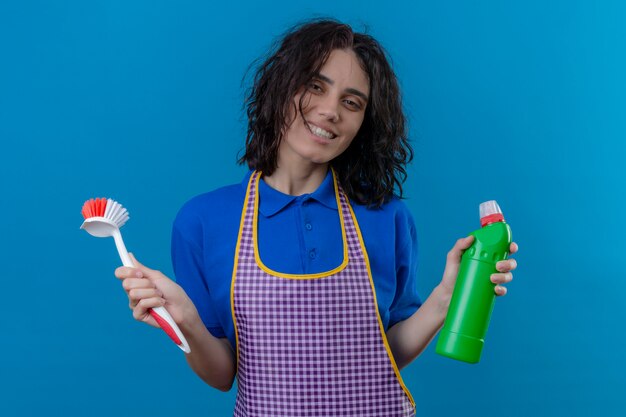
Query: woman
[301, 280]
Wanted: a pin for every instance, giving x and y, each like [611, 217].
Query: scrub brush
[103, 218]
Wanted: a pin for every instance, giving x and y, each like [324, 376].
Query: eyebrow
[347, 90]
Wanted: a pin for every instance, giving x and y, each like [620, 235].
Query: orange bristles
[102, 207]
[94, 208]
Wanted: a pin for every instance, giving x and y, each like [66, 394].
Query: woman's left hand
[499, 278]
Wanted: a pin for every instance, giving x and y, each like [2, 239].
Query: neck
[297, 180]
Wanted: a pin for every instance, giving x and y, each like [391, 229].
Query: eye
[352, 104]
[314, 86]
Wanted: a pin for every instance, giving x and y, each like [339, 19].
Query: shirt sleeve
[187, 262]
[406, 300]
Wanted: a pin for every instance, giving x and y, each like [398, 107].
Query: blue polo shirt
[297, 235]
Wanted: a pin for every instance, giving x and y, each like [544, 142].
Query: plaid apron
[311, 345]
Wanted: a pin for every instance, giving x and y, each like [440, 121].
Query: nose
[328, 108]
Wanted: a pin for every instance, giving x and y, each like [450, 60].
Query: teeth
[321, 132]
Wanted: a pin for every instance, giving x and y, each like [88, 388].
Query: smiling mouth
[318, 131]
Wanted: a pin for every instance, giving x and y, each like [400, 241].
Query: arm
[408, 338]
[211, 358]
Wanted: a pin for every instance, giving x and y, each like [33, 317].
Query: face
[333, 106]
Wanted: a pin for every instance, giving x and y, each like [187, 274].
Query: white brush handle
[160, 314]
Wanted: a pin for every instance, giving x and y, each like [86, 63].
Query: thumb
[146, 271]
[466, 242]
[454, 256]
[454, 260]
[152, 274]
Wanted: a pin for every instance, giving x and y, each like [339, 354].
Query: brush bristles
[107, 208]
[116, 213]
[94, 208]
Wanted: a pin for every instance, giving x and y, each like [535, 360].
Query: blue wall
[141, 101]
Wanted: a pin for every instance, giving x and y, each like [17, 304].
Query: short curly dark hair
[371, 168]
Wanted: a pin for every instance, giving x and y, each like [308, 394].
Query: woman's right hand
[148, 288]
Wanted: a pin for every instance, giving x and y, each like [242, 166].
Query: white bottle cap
[488, 208]
[490, 213]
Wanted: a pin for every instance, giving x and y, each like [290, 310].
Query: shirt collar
[272, 201]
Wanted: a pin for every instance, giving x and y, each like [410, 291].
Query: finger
[513, 248]
[139, 294]
[124, 272]
[139, 288]
[140, 312]
[133, 283]
[501, 278]
[507, 265]
[500, 290]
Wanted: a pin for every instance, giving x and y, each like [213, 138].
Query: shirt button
[308, 226]
[312, 253]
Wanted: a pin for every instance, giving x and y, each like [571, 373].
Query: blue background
[141, 101]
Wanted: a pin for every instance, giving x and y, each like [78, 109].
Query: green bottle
[473, 298]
